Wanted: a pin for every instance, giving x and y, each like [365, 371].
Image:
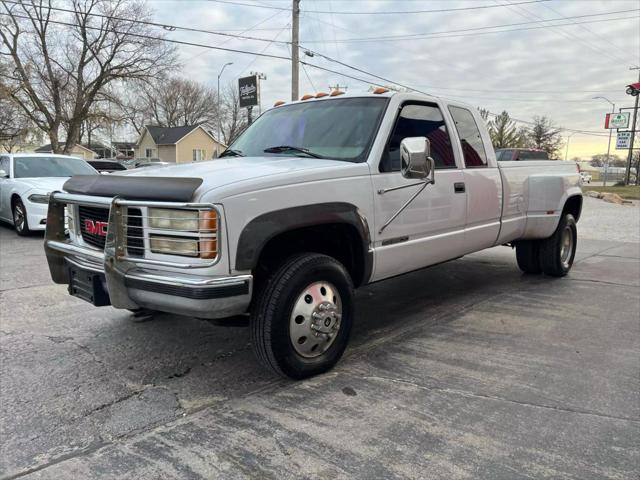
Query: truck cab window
[472, 147]
[419, 120]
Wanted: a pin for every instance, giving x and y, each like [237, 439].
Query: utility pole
[627, 176]
[295, 60]
[606, 165]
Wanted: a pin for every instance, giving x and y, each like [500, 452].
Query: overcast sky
[552, 71]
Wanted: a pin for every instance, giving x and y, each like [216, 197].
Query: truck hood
[235, 174]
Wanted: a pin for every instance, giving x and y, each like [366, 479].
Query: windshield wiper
[290, 148]
[231, 153]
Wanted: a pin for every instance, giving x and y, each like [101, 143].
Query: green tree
[505, 133]
[544, 135]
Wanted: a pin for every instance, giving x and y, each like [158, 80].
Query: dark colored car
[106, 166]
[513, 154]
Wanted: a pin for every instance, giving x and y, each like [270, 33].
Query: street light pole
[566, 153]
[606, 165]
[219, 115]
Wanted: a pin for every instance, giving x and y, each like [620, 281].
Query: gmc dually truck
[314, 199]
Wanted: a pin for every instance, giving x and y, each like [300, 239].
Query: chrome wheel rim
[566, 247]
[18, 217]
[315, 319]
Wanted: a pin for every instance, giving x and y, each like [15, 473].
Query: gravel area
[601, 220]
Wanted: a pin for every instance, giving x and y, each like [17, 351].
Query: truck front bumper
[104, 278]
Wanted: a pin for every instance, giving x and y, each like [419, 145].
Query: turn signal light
[306, 97]
[208, 225]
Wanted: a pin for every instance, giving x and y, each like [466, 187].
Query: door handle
[458, 187]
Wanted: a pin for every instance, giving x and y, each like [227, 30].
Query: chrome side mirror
[415, 159]
[3, 174]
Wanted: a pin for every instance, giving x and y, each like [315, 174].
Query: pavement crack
[604, 282]
[500, 399]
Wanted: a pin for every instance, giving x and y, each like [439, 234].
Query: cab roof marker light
[279, 102]
[306, 97]
[335, 93]
[380, 90]
[321, 94]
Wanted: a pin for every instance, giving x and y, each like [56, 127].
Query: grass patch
[630, 192]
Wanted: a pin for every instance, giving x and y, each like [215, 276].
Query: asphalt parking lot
[465, 370]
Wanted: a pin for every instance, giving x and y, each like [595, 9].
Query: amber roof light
[380, 90]
[321, 94]
[279, 102]
[306, 97]
[335, 93]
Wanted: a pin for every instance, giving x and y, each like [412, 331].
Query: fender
[257, 233]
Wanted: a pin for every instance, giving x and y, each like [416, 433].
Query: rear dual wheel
[554, 255]
[302, 319]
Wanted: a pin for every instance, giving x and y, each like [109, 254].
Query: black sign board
[248, 89]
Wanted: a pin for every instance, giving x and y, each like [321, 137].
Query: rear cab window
[475, 155]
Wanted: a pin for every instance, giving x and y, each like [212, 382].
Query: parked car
[151, 164]
[314, 199]
[104, 165]
[514, 154]
[585, 177]
[27, 179]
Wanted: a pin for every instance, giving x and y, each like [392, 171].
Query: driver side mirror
[4, 174]
[415, 158]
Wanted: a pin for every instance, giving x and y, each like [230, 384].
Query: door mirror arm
[416, 162]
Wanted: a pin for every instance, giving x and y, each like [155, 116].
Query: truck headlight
[202, 223]
[187, 247]
[38, 198]
[170, 219]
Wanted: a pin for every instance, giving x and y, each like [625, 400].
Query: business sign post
[623, 140]
[248, 90]
[616, 120]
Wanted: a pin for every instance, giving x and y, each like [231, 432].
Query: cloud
[490, 70]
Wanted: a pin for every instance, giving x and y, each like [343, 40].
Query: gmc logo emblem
[95, 227]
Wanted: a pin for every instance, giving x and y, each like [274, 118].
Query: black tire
[528, 256]
[20, 220]
[272, 315]
[556, 256]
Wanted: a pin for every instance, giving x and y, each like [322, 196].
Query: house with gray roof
[192, 143]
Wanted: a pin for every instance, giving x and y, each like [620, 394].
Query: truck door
[431, 228]
[481, 181]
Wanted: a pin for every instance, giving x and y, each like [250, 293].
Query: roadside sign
[617, 120]
[248, 90]
[623, 141]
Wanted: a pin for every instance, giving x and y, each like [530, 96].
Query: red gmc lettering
[96, 228]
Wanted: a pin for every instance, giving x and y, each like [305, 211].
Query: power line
[279, 57]
[565, 34]
[388, 12]
[477, 30]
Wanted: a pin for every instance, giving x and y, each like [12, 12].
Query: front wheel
[302, 319]
[558, 251]
[20, 221]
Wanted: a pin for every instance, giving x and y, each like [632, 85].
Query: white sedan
[27, 179]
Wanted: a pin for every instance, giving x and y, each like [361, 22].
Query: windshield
[29, 167]
[341, 129]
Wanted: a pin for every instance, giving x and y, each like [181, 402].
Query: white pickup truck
[314, 199]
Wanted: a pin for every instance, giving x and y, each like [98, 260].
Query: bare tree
[170, 102]
[63, 63]
[234, 119]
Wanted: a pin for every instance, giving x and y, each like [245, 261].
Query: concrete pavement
[465, 370]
